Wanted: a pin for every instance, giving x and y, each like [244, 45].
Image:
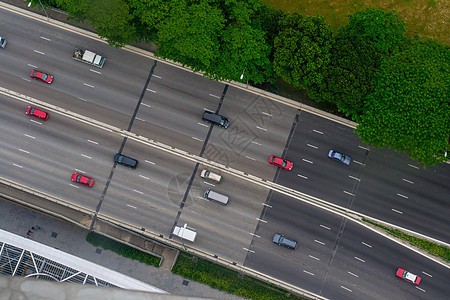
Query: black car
[216, 119]
[281, 240]
[125, 160]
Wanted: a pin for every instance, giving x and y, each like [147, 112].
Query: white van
[211, 195]
[210, 175]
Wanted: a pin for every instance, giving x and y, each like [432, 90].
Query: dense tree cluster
[395, 87]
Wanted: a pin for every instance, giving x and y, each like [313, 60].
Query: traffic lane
[180, 81]
[366, 261]
[313, 229]
[224, 230]
[417, 205]
[150, 195]
[45, 158]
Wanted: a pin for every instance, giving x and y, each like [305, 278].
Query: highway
[165, 103]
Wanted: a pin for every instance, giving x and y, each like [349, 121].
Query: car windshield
[284, 163]
[31, 111]
[120, 158]
[44, 76]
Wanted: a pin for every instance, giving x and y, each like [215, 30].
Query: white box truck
[185, 233]
[89, 57]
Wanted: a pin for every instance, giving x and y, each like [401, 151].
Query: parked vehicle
[34, 112]
[41, 76]
[210, 175]
[281, 163]
[125, 161]
[89, 57]
[340, 157]
[3, 42]
[405, 275]
[281, 240]
[79, 178]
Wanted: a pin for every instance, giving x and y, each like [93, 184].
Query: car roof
[410, 276]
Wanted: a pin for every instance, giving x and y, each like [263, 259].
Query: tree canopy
[302, 49]
[409, 108]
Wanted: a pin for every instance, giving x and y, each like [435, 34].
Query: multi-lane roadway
[335, 258]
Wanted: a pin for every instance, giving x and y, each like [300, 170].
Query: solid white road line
[317, 131]
[366, 245]
[323, 226]
[397, 211]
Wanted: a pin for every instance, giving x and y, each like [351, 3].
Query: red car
[405, 275]
[41, 76]
[281, 163]
[77, 177]
[34, 112]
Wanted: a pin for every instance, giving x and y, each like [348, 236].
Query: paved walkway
[71, 239]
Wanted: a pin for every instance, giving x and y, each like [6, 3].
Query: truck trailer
[89, 57]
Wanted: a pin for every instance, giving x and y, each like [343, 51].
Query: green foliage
[409, 108]
[383, 29]
[190, 35]
[348, 78]
[302, 50]
[226, 280]
[438, 250]
[124, 250]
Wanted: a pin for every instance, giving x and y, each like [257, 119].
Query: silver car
[281, 240]
[340, 157]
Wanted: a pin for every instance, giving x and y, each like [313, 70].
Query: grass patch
[427, 19]
[438, 250]
[227, 280]
[123, 250]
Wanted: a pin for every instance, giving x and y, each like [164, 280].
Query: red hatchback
[281, 163]
[41, 76]
[34, 112]
[405, 275]
[77, 177]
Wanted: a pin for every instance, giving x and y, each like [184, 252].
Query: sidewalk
[72, 239]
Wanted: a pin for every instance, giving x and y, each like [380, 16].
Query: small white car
[2, 42]
[211, 176]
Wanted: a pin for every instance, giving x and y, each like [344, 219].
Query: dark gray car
[125, 161]
[281, 240]
[216, 119]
